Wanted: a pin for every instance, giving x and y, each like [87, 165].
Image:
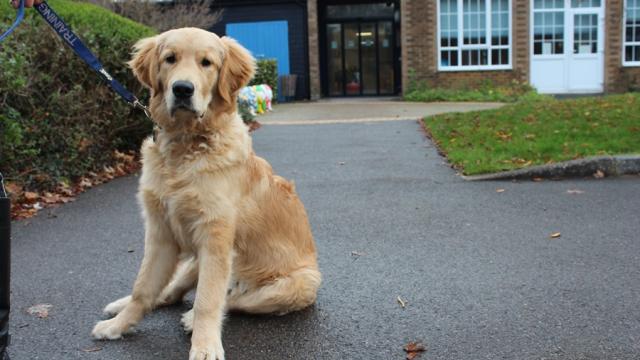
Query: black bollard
[5, 267]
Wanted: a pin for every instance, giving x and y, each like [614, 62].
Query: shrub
[58, 120]
[165, 16]
[484, 91]
[267, 73]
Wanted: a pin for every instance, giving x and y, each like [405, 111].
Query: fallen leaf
[575, 191]
[92, 349]
[30, 196]
[555, 235]
[13, 188]
[537, 179]
[413, 349]
[402, 303]
[500, 190]
[41, 310]
[599, 174]
[85, 183]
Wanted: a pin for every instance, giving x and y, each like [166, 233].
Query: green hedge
[58, 121]
[267, 73]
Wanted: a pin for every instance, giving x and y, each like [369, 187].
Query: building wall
[293, 13]
[420, 48]
[420, 51]
[314, 50]
[618, 78]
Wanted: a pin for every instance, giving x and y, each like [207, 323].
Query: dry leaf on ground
[555, 235]
[599, 174]
[413, 349]
[92, 349]
[30, 196]
[402, 303]
[500, 190]
[41, 310]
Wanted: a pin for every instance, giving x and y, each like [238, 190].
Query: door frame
[322, 42]
[568, 43]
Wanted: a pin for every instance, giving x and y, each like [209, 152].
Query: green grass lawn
[538, 130]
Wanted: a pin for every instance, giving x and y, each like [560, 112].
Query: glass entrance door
[360, 58]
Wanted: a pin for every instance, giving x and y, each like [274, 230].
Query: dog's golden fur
[215, 214]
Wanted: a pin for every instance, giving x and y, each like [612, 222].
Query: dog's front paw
[187, 321]
[115, 307]
[107, 329]
[209, 353]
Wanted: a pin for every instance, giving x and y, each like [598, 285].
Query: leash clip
[137, 104]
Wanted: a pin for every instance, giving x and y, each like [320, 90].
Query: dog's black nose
[183, 89]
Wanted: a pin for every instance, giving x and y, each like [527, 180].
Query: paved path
[481, 278]
[359, 110]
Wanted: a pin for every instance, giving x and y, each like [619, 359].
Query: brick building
[369, 48]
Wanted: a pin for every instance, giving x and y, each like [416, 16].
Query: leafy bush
[267, 73]
[486, 91]
[164, 16]
[58, 120]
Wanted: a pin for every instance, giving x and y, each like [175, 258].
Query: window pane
[548, 33]
[360, 11]
[334, 58]
[448, 23]
[474, 21]
[500, 22]
[585, 3]
[385, 54]
[585, 33]
[548, 4]
[480, 50]
[632, 53]
[632, 31]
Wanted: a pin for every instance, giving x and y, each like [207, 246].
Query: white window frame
[461, 46]
[626, 43]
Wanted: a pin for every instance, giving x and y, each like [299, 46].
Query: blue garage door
[265, 40]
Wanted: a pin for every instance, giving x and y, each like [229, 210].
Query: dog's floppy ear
[141, 63]
[237, 69]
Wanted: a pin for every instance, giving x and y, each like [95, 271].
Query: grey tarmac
[473, 261]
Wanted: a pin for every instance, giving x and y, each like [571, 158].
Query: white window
[631, 45]
[474, 34]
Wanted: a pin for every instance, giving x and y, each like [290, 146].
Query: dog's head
[191, 72]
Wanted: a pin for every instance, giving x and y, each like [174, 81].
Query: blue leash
[71, 39]
[15, 23]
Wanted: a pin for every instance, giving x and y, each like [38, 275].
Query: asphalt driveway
[480, 276]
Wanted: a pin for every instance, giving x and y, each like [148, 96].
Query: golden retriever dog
[216, 216]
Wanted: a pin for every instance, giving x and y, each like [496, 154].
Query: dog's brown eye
[170, 59]
[206, 62]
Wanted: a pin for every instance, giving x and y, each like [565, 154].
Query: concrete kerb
[339, 121]
[609, 165]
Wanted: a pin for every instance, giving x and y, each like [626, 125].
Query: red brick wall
[420, 48]
[617, 78]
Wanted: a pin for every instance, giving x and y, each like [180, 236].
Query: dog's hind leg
[184, 279]
[285, 294]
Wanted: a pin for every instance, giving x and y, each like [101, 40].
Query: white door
[567, 47]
